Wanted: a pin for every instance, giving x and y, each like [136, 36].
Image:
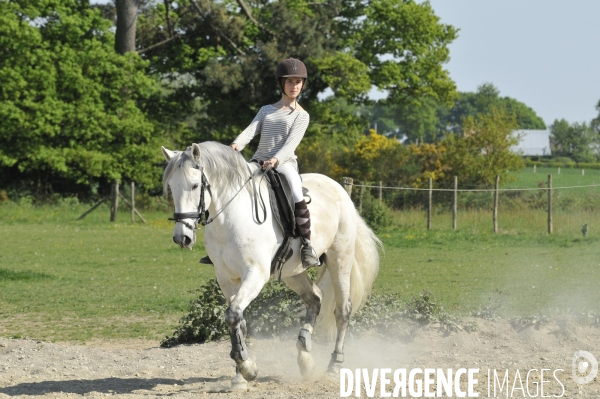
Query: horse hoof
[330, 376]
[306, 363]
[248, 369]
[238, 383]
[333, 371]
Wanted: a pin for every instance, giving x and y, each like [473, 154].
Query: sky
[544, 53]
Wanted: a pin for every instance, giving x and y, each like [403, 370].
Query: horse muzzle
[184, 240]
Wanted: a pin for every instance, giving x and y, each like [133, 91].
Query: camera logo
[585, 367]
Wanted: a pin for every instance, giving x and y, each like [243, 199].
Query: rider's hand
[273, 162]
[234, 146]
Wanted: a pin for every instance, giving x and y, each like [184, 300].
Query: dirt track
[143, 370]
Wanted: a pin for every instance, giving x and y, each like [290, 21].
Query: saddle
[282, 206]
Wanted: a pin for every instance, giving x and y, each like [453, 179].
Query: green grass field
[464, 268]
[567, 177]
[68, 280]
[62, 279]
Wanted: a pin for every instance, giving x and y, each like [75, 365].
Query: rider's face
[293, 87]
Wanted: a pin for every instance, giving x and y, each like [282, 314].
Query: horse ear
[196, 152]
[168, 154]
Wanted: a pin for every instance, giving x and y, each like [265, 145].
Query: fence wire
[471, 190]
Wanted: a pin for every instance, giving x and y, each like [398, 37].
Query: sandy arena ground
[141, 369]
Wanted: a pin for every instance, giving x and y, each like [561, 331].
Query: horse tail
[364, 271]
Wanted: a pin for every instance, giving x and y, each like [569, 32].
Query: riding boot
[307, 253]
[206, 260]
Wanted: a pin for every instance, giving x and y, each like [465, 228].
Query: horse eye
[195, 187]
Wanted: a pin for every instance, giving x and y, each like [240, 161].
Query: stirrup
[308, 255]
[206, 260]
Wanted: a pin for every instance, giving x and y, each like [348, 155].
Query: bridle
[202, 216]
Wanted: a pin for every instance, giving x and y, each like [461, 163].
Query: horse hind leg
[342, 320]
[340, 266]
[311, 295]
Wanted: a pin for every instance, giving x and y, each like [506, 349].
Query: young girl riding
[281, 127]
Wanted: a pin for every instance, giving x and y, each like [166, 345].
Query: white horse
[242, 249]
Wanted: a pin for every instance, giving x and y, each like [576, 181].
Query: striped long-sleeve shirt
[280, 133]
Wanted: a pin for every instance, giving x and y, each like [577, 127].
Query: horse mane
[216, 159]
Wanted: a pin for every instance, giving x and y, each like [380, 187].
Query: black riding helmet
[290, 68]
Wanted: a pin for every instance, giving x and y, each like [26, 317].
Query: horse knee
[233, 317]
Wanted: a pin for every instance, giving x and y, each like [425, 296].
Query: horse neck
[223, 191]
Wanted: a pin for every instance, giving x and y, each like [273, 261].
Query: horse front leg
[239, 352]
[239, 349]
[311, 295]
[234, 318]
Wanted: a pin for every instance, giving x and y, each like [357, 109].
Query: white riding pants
[293, 178]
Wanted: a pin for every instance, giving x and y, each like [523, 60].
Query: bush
[276, 309]
[205, 321]
[376, 214]
[563, 162]
[381, 313]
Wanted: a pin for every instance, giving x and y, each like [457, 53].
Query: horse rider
[281, 127]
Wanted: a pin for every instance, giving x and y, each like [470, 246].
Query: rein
[202, 215]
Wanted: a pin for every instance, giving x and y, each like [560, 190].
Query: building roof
[533, 143]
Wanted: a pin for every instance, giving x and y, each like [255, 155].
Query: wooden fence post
[360, 198]
[347, 183]
[380, 192]
[496, 204]
[534, 171]
[454, 203]
[134, 210]
[114, 200]
[92, 208]
[429, 204]
[549, 204]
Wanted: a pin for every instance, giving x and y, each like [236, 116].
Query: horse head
[183, 175]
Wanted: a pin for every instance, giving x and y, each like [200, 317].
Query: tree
[224, 53]
[72, 109]
[483, 101]
[574, 141]
[127, 11]
[595, 124]
[403, 45]
[415, 122]
[427, 120]
[482, 150]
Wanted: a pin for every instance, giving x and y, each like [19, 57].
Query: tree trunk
[127, 11]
